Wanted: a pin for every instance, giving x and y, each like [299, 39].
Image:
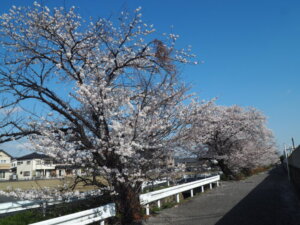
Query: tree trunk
[225, 169]
[128, 204]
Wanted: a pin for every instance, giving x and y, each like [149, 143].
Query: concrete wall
[295, 176]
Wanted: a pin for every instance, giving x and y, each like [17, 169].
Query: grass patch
[23, 218]
[155, 188]
[53, 183]
[166, 203]
[245, 173]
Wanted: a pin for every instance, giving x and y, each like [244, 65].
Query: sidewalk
[263, 199]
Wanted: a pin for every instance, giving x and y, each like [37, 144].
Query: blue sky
[250, 49]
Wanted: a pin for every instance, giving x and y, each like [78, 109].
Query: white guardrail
[109, 210]
[147, 198]
[84, 217]
[9, 207]
[147, 184]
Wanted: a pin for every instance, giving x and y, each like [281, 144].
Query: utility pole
[287, 163]
[293, 143]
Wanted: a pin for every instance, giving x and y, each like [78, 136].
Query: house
[40, 166]
[5, 165]
[33, 165]
[193, 164]
[63, 170]
[188, 163]
[169, 160]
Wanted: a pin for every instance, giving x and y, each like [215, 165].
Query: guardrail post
[218, 184]
[175, 191]
[177, 198]
[102, 222]
[147, 210]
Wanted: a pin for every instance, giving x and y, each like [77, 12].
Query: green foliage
[155, 188]
[246, 172]
[224, 177]
[155, 209]
[36, 215]
[167, 205]
[23, 218]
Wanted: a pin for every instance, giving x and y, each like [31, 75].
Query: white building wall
[25, 169]
[60, 173]
[5, 166]
[4, 159]
[5, 175]
[40, 168]
[34, 168]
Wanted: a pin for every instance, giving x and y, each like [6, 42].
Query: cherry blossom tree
[237, 138]
[103, 95]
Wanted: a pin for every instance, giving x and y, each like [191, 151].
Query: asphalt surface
[264, 199]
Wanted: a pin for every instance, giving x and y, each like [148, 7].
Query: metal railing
[10, 207]
[151, 184]
[147, 198]
[103, 212]
[84, 217]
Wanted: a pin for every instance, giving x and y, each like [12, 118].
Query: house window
[28, 162]
[20, 163]
[38, 162]
[2, 174]
[26, 173]
[3, 161]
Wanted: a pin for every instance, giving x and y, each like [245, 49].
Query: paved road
[263, 199]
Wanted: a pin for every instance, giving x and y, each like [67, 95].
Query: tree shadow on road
[272, 202]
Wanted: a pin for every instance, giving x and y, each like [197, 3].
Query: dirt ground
[37, 184]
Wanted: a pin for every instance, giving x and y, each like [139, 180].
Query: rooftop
[33, 156]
